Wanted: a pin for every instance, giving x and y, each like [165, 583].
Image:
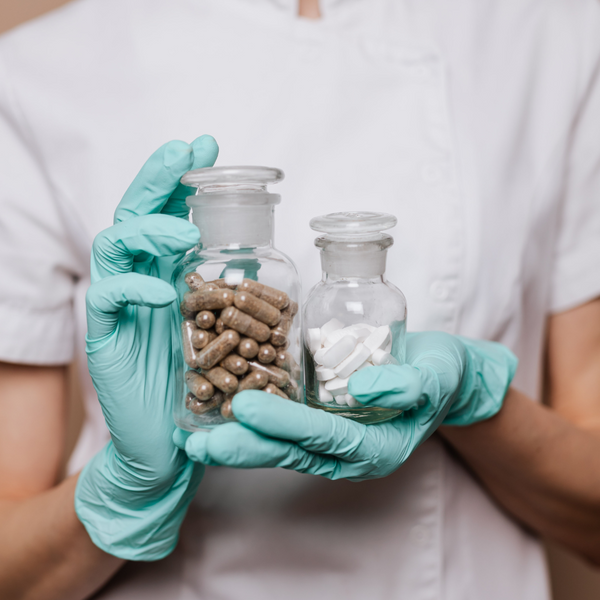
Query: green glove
[447, 379]
[133, 495]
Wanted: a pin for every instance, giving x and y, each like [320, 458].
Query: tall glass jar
[239, 325]
[353, 318]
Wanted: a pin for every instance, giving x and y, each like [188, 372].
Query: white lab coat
[475, 122]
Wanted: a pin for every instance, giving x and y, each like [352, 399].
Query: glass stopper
[353, 223]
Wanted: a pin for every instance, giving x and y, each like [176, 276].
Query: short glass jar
[239, 324]
[353, 318]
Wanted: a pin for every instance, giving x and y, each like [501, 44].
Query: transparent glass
[239, 326]
[353, 318]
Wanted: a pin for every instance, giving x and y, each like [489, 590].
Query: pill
[360, 331]
[199, 386]
[324, 374]
[292, 390]
[194, 280]
[337, 386]
[283, 360]
[199, 407]
[325, 395]
[336, 336]
[276, 376]
[329, 327]
[280, 332]
[205, 299]
[274, 297]
[227, 382]
[381, 357]
[221, 284]
[218, 349]
[341, 400]
[187, 314]
[219, 326]
[205, 319]
[255, 380]
[240, 321]
[236, 364]
[248, 348]
[359, 355]
[257, 308]
[189, 351]
[313, 335]
[273, 389]
[378, 339]
[201, 338]
[335, 354]
[352, 401]
[227, 410]
[291, 309]
[266, 353]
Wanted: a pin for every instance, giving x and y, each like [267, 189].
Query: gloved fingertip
[177, 153]
[196, 447]
[205, 150]
[180, 438]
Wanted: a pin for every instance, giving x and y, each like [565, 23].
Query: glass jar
[353, 318]
[239, 325]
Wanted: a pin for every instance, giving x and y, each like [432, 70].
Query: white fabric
[474, 121]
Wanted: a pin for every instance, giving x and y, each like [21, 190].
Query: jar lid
[353, 223]
[216, 179]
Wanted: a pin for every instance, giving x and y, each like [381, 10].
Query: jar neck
[354, 259]
[234, 225]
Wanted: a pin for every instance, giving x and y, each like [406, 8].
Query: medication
[341, 400]
[378, 339]
[352, 401]
[248, 348]
[335, 354]
[198, 407]
[255, 380]
[273, 389]
[359, 355]
[337, 386]
[266, 353]
[190, 354]
[205, 319]
[245, 324]
[329, 327]
[190, 315]
[227, 410]
[280, 333]
[336, 336]
[324, 394]
[227, 382]
[276, 376]
[194, 280]
[219, 326]
[201, 338]
[274, 297]
[314, 339]
[324, 374]
[235, 363]
[381, 357]
[199, 386]
[218, 349]
[205, 299]
[257, 308]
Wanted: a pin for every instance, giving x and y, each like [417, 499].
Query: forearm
[45, 552]
[541, 468]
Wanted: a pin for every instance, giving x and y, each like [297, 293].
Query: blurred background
[571, 578]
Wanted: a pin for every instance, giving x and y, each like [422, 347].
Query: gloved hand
[133, 495]
[446, 379]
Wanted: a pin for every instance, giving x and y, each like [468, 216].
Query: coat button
[419, 535]
[439, 291]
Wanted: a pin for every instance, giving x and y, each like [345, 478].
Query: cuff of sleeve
[36, 338]
[144, 533]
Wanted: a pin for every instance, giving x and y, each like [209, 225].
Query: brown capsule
[273, 389]
[189, 351]
[274, 297]
[198, 407]
[279, 334]
[201, 338]
[219, 326]
[266, 353]
[292, 390]
[200, 387]
[222, 284]
[206, 299]
[291, 309]
[277, 376]
[190, 315]
[194, 280]
[248, 348]
[256, 380]
[236, 364]
[227, 410]
[218, 349]
[257, 308]
[284, 360]
[222, 378]
[240, 321]
[205, 319]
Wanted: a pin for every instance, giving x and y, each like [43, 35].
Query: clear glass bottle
[239, 324]
[353, 318]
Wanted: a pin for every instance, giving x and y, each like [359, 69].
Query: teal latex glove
[447, 379]
[132, 496]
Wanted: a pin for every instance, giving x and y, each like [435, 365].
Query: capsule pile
[235, 338]
[340, 351]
